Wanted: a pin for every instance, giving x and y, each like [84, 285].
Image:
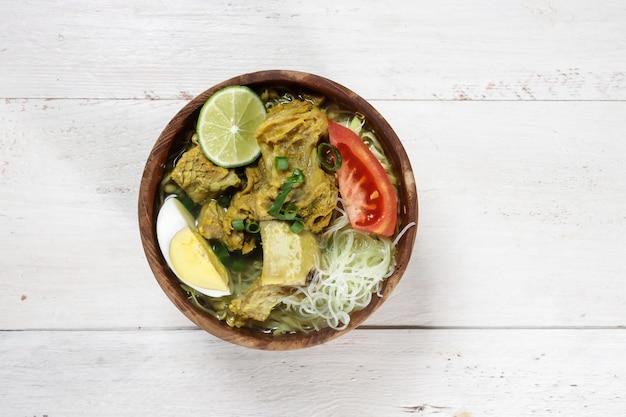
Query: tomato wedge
[367, 192]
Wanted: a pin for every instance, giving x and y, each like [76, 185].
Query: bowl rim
[153, 172]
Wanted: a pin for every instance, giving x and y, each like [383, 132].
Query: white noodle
[402, 232]
[353, 267]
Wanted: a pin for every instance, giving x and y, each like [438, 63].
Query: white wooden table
[513, 114]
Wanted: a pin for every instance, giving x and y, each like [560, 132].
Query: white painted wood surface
[404, 372]
[513, 114]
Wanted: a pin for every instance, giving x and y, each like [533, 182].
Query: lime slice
[226, 126]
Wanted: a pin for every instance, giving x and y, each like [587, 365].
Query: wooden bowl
[174, 133]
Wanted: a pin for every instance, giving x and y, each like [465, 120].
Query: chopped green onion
[239, 224]
[290, 212]
[296, 227]
[282, 163]
[329, 156]
[297, 176]
[253, 227]
[248, 226]
[280, 200]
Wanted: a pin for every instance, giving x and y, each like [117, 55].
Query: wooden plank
[521, 214]
[448, 50]
[454, 373]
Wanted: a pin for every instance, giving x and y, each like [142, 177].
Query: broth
[244, 269]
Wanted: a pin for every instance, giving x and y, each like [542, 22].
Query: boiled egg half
[187, 253]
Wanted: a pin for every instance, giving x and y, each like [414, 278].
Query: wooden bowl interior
[174, 135]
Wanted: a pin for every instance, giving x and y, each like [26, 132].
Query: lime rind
[226, 126]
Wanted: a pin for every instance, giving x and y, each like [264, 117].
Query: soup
[347, 261]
